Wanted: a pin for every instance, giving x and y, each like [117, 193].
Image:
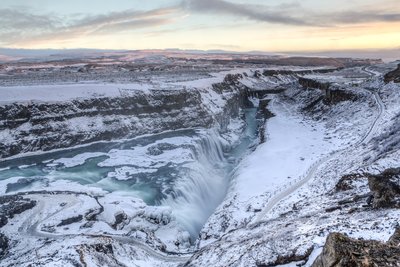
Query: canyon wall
[43, 126]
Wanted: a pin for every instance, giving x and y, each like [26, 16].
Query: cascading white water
[201, 185]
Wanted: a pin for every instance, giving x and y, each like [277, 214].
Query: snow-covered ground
[292, 146]
[300, 219]
[66, 92]
[97, 89]
[280, 195]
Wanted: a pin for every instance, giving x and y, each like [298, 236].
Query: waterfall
[187, 170]
[201, 185]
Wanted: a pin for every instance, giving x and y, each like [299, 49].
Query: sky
[235, 25]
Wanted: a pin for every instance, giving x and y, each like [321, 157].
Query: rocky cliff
[385, 188]
[332, 95]
[342, 251]
[314, 84]
[393, 76]
[298, 72]
[43, 126]
[29, 126]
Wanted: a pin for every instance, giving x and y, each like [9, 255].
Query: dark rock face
[279, 72]
[291, 257]
[119, 219]
[12, 205]
[385, 188]
[3, 245]
[394, 240]
[9, 207]
[335, 96]
[342, 251]
[298, 72]
[345, 182]
[233, 79]
[393, 76]
[331, 95]
[314, 84]
[3, 220]
[58, 125]
[263, 114]
[71, 220]
[237, 98]
[97, 254]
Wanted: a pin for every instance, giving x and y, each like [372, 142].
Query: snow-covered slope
[359, 140]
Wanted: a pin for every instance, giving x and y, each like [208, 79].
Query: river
[187, 170]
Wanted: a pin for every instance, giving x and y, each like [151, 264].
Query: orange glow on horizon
[260, 37]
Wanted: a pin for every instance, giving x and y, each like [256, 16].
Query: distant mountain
[384, 54]
[11, 54]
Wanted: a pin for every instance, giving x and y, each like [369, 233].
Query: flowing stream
[187, 170]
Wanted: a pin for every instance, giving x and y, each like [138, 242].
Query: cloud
[17, 23]
[290, 13]
[126, 18]
[21, 25]
[252, 12]
[12, 19]
[131, 25]
[362, 16]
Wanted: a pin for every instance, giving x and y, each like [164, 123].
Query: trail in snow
[372, 130]
[312, 170]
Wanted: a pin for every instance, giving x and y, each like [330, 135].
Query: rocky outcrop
[263, 114]
[385, 188]
[233, 93]
[298, 72]
[342, 251]
[119, 219]
[331, 95]
[293, 256]
[9, 207]
[97, 255]
[335, 96]
[70, 220]
[13, 205]
[233, 79]
[346, 182]
[393, 76]
[394, 240]
[4, 244]
[314, 84]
